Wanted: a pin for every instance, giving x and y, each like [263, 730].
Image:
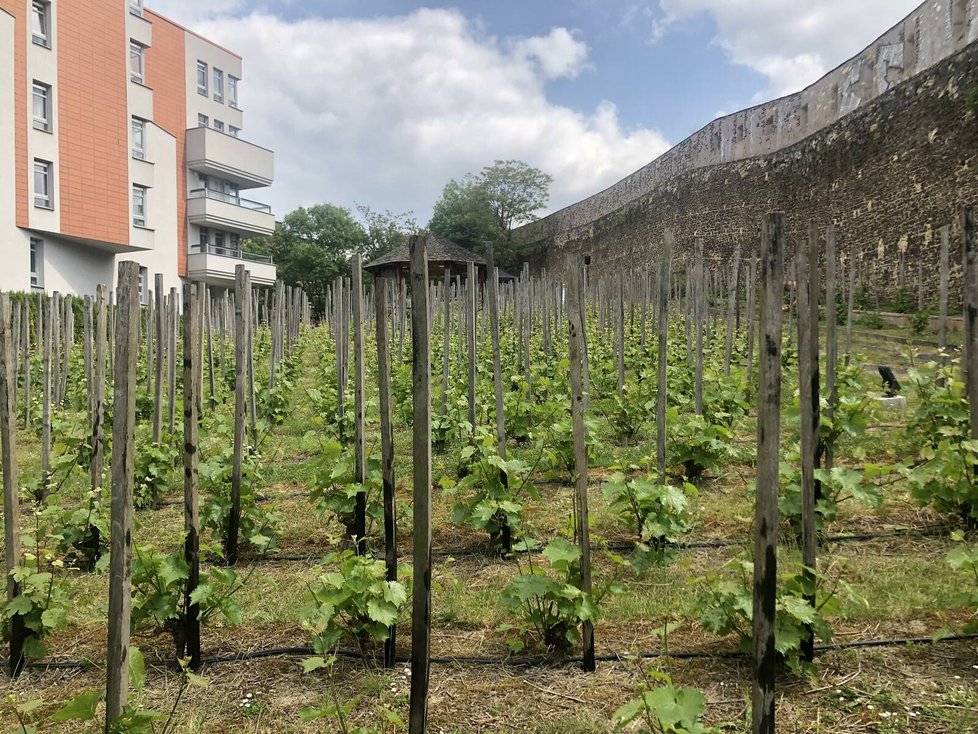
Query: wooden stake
[575, 327]
[191, 502]
[766, 509]
[240, 406]
[17, 633]
[665, 260]
[123, 470]
[496, 366]
[359, 444]
[421, 602]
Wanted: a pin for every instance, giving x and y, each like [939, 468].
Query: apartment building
[121, 138]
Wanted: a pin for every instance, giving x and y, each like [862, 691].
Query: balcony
[225, 156]
[207, 208]
[215, 265]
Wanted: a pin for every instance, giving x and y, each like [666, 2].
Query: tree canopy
[484, 208]
[312, 246]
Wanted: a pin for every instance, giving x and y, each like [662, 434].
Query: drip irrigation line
[535, 661]
[926, 531]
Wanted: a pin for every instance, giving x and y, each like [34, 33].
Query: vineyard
[667, 501]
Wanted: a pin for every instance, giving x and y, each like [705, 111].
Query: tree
[312, 247]
[484, 208]
[384, 230]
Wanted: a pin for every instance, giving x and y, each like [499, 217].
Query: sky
[382, 102]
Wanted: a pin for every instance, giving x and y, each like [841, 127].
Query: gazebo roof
[442, 254]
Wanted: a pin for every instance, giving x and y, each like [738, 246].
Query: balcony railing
[229, 199]
[234, 252]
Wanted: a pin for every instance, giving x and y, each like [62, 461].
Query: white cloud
[559, 53]
[384, 111]
[791, 42]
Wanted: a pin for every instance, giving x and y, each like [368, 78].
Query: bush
[355, 600]
[658, 513]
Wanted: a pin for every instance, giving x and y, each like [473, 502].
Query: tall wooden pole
[421, 602]
[11, 485]
[123, 470]
[496, 366]
[241, 313]
[381, 286]
[575, 328]
[665, 262]
[191, 502]
[766, 508]
[360, 447]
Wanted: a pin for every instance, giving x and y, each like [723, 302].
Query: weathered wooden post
[359, 440]
[766, 508]
[98, 396]
[699, 313]
[806, 259]
[11, 485]
[575, 328]
[161, 357]
[971, 314]
[945, 274]
[665, 262]
[496, 366]
[381, 286]
[831, 334]
[240, 407]
[732, 312]
[421, 602]
[471, 284]
[191, 502]
[123, 470]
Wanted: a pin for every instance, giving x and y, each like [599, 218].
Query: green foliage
[664, 708]
[354, 599]
[726, 606]
[385, 230]
[839, 485]
[943, 471]
[41, 603]
[658, 513]
[159, 587]
[81, 533]
[871, 320]
[259, 524]
[550, 602]
[154, 472]
[489, 492]
[482, 208]
[335, 488]
[965, 558]
[312, 247]
[919, 321]
[698, 444]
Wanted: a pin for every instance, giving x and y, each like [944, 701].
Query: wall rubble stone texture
[888, 172]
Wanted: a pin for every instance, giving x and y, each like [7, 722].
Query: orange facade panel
[93, 119]
[166, 70]
[18, 10]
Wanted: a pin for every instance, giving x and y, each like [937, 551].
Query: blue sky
[381, 102]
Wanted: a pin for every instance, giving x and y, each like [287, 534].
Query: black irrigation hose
[926, 531]
[536, 661]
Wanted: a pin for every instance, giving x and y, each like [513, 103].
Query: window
[234, 131]
[233, 91]
[136, 62]
[202, 78]
[37, 262]
[138, 138]
[218, 242]
[136, 7]
[233, 240]
[139, 206]
[42, 107]
[218, 85]
[42, 184]
[41, 23]
[219, 126]
[143, 292]
[202, 120]
[205, 238]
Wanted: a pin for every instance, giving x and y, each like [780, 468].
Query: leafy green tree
[312, 246]
[385, 230]
[484, 208]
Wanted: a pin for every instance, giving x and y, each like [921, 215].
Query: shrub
[658, 513]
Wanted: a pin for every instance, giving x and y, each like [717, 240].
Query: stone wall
[889, 171]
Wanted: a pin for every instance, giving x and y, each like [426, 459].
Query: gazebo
[444, 258]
